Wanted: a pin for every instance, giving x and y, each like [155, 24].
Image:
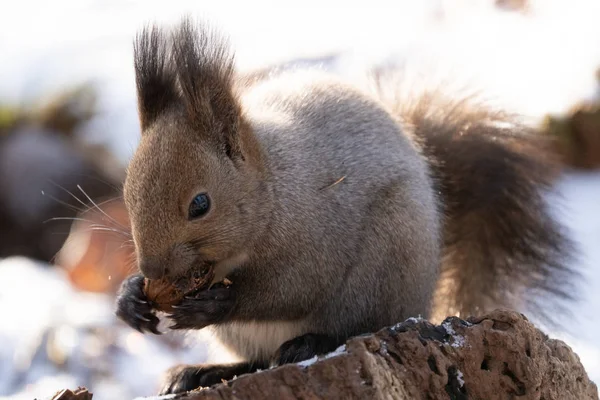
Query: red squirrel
[332, 210]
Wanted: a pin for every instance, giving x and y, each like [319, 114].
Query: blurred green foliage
[578, 133]
[62, 113]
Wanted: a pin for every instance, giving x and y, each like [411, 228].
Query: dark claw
[139, 316]
[155, 330]
[133, 307]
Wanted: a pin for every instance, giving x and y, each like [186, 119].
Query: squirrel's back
[318, 131]
[489, 177]
[337, 162]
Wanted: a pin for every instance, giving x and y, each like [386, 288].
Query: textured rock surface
[497, 356]
[77, 394]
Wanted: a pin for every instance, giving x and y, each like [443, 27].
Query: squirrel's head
[195, 186]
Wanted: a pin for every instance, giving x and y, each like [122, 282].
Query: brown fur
[417, 186]
[502, 247]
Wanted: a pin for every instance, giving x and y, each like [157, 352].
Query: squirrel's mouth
[197, 274]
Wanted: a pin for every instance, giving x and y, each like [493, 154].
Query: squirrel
[333, 210]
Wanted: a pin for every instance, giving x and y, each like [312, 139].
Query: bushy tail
[503, 248]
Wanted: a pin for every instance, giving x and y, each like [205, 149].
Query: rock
[498, 356]
[78, 394]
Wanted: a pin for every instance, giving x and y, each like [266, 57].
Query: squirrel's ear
[205, 71]
[154, 75]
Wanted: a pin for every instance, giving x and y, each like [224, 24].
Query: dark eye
[199, 206]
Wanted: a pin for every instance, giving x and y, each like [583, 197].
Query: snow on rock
[165, 397]
[336, 352]
[308, 362]
[311, 361]
[460, 377]
[457, 340]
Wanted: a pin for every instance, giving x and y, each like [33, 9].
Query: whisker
[86, 207]
[98, 179]
[126, 246]
[68, 219]
[131, 264]
[93, 227]
[97, 226]
[70, 206]
[99, 209]
[106, 229]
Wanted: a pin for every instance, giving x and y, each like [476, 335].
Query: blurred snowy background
[68, 124]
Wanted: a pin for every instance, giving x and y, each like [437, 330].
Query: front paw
[183, 378]
[134, 308]
[203, 308]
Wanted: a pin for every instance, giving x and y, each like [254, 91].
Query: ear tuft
[205, 71]
[190, 68]
[154, 77]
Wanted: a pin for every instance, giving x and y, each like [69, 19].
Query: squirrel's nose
[152, 268]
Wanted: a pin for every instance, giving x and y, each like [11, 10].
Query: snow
[336, 352]
[54, 337]
[340, 350]
[308, 362]
[460, 378]
[165, 397]
[458, 340]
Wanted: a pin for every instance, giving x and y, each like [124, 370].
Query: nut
[165, 294]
